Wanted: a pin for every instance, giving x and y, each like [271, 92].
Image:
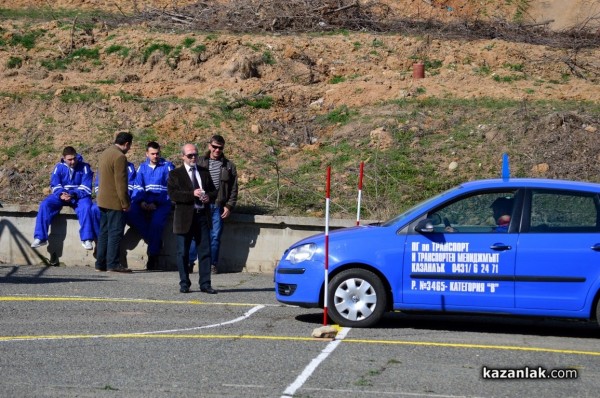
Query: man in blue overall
[71, 185]
[150, 202]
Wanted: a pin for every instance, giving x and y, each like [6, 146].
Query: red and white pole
[360, 180]
[325, 298]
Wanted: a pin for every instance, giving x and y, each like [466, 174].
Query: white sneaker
[38, 242]
[87, 245]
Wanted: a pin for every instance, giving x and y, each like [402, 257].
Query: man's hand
[65, 197]
[226, 212]
[200, 194]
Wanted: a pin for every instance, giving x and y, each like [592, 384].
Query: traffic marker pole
[360, 180]
[326, 245]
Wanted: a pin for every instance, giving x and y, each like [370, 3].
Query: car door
[466, 262]
[558, 257]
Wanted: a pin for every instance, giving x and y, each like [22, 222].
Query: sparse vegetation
[281, 106]
[337, 79]
[161, 47]
[14, 62]
[118, 49]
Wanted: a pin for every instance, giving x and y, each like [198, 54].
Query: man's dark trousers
[112, 227]
[199, 234]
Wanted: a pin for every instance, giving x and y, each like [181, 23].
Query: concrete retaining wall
[250, 243]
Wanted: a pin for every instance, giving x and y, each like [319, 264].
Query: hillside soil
[181, 84]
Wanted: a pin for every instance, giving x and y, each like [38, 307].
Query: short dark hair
[218, 139]
[123, 138]
[69, 150]
[153, 145]
[503, 205]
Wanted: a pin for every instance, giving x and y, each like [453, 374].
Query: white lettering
[478, 257]
[428, 267]
[450, 247]
[470, 287]
[440, 257]
[461, 268]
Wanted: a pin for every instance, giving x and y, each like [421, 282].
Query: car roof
[531, 183]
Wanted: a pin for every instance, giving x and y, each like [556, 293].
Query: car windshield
[417, 206]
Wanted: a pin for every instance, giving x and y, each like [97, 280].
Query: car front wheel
[598, 312]
[357, 298]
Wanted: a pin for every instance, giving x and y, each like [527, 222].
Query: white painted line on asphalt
[214, 325]
[314, 364]
[246, 315]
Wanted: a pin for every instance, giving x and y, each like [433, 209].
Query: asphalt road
[74, 332]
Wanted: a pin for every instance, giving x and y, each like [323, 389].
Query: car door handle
[500, 247]
[596, 247]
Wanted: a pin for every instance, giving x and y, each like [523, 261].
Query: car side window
[554, 211]
[482, 213]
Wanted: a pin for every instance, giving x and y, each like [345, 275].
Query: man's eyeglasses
[191, 155]
[215, 147]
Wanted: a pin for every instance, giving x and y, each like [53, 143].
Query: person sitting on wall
[71, 185]
[150, 202]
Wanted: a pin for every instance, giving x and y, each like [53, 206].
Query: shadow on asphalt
[39, 277]
[493, 324]
[36, 280]
[479, 324]
[246, 290]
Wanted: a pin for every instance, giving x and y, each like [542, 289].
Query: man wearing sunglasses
[223, 175]
[190, 188]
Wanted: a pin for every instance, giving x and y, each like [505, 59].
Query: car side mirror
[424, 226]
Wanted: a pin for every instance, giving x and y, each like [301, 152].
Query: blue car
[515, 246]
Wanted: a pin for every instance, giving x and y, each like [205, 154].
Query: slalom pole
[360, 179]
[325, 298]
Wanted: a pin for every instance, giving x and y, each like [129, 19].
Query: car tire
[357, 298]
[598, 312]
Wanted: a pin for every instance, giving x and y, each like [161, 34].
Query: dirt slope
[46, 105]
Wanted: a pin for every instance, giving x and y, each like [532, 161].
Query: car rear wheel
[357, 298]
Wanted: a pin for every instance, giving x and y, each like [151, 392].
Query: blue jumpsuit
[151, 187]
[96, 210]
[78, 183]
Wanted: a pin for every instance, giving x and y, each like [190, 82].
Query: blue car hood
[337, 234]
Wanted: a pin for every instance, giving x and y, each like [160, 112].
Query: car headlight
[301, 253]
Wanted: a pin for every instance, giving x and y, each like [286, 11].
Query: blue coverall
[151, 188]
[78, 183]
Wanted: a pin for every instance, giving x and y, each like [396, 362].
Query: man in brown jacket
[191, 190]
[113, 201]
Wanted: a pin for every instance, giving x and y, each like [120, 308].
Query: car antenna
[505, 167]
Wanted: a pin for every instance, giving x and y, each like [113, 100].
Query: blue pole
[505, 167]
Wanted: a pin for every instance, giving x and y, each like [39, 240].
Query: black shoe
[100, 269]
[184, 290]
[119, 269]
[213, 269]
[208, 290]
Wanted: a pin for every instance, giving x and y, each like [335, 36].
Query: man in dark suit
[191, 189]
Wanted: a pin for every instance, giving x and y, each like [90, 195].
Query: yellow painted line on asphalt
[122, 300]
[158, 336]
[296, 338]
[248, 337]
